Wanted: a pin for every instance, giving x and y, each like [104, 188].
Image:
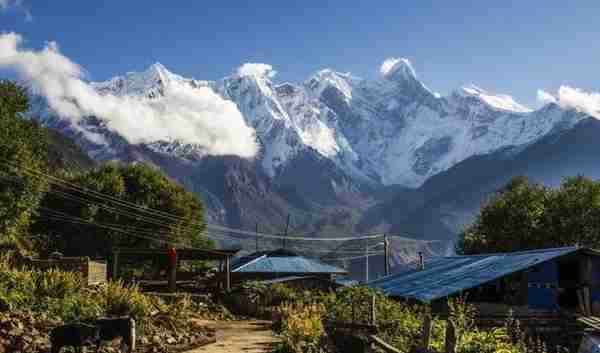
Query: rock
[17, 332]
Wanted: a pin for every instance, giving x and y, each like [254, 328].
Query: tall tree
[126, 206]
[22, 150]
[525, 215]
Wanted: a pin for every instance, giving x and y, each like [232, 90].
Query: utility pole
[386, 255]
[366, 260]
[287, 226]
[256, 236]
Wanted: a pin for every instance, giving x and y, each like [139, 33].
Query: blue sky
[514, 47]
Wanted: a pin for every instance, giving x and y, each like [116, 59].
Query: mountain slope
[390, 130]
[449, 200]
[329, 148]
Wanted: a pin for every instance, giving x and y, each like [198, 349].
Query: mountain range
[344, 154]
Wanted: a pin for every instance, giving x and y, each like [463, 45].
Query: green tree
[82, 221]
[525, 215]
[573, 213]
[22, 149]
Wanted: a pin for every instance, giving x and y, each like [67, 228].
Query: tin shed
[544, 279]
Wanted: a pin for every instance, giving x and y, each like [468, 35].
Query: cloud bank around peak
[569, 97]
[190, 115]
[256, 69]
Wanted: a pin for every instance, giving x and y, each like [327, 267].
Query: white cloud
[190, 115]
[391, 64]
[545, 97]
[569, 97]
[256, 69]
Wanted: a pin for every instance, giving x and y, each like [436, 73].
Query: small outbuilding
[282, 263]
[554, 279]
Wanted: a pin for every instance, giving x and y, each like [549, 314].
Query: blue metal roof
[282, 261]
[445, 276]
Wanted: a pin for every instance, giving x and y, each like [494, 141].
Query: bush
[123, 300]
[65, 296]
[301, 328]
[302, 323]
[491, 341]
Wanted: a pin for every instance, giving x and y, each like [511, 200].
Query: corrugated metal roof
[281, 261]
[449, 275]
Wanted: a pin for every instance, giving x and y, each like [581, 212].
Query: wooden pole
[373, 311]
[450, 337]
[426, 332]
[115, 265]
[287, 226]
[256, 236]
[386, 255]
[587, 301]
[228, 275]
[581, 301]
[366, 260]
[173, 275]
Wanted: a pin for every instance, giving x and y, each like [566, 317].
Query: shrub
[302, 323]
[121, 300]
[56, 284]
[302, 329]
[490, 341]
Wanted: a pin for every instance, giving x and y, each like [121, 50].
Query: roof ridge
[533, 251]
[250, 262]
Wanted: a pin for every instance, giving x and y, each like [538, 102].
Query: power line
[166, 215]
[82, 221]
[190, 225]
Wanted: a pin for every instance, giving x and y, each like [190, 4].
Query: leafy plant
[525, 215]
[302, 329]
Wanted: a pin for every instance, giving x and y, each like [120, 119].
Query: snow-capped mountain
[390, 130]
[329, 147]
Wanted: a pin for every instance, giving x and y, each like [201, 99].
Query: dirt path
[240, 337]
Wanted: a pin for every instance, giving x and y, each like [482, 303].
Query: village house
[545, 280]
[284, 266]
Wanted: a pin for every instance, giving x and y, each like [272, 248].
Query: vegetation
[300, 318]
[302, 324]
[22, 148]
[79, 211]
[525, 215]
[65, 296]
[95, 222]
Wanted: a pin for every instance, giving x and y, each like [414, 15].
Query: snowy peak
[388, 130]
[327, 79]
[150, 83]
[158, 73]
[397, 69]
[501, 102]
